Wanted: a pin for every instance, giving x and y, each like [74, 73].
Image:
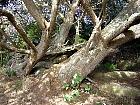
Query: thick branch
[122, 38]
[53, 15]
[96, 33]
[126, 36]
[128, 17]
[18, 27]
[33, 10]
[60, 38]
[132, 20]
[95, 37]
[89, 10]
[66, 49]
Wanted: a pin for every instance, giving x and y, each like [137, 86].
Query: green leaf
[77, 79]
[66, 86]
[68, 97]
[87, 88]
[75, 93]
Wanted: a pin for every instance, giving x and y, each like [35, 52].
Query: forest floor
[116, 81]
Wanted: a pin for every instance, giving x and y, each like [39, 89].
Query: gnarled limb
[53, 15]
[19, 28]
[95, 37]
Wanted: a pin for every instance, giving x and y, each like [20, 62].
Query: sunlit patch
[52, 74]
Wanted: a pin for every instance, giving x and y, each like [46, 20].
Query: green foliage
[87, 88]
[33, 31]
[128, 64]
[110, 66]
[21, 43]
[66, 86]
[79, 39]
[75, 93]
[71, 96]
[68, 97]
[57, 28]
[10, 72]
[77, 79]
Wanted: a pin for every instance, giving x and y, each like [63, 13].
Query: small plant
[71, 96]
[68, 97]
[75, 93]
[66, 86]
[110, 66]
[73, 86]
[77, 79]
[87, 88]
[79, 39]
[4, 57]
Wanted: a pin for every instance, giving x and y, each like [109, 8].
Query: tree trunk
[84, 62]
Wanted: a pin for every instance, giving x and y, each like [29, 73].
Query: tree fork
[85, 63]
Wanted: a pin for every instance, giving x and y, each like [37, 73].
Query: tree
[89, 55]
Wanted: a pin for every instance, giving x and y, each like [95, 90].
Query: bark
[60, 38]
[47, 29]
[120, 23]
[53, 15]
[83, 63]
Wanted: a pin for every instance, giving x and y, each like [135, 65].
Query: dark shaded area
[71, 36]
[4, 3]
[48, 60]
[126, 57]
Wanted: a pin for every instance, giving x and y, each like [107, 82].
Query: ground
[115, 82]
